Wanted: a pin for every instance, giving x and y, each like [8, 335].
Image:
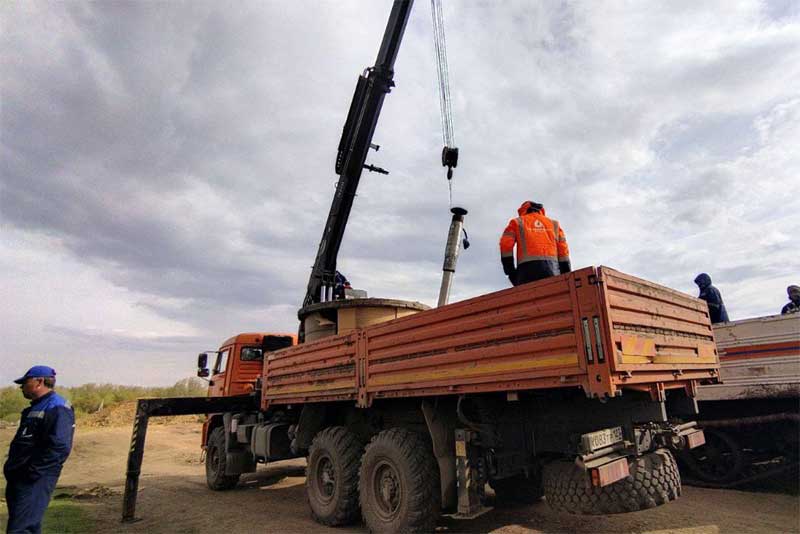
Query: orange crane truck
[574, 387]
[570, 387]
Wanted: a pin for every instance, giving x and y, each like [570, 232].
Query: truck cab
[236, 366]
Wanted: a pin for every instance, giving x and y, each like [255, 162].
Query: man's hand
[509, 269]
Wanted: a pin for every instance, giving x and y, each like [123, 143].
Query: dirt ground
[173, 497]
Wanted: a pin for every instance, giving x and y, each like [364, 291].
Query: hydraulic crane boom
[371, 88]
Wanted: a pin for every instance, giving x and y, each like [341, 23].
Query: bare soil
[174, 498]
[122, 414]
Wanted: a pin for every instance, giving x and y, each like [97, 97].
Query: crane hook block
[449, 157]
[449, 160]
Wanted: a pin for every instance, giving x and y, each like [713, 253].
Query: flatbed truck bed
[595, 329]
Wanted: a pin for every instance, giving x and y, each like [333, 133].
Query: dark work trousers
[531, 271]
[27, 502]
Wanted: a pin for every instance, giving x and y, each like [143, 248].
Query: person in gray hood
[716, 308]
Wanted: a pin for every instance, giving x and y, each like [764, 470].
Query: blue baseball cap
[37, 371]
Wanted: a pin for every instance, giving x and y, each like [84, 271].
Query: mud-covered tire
[216, 478]
[519, 489]
[399, 483]
[332, 476]
[653, 480]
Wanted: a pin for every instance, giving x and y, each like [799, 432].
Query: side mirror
[202, 365]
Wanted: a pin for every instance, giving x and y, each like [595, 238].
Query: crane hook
[449, 160]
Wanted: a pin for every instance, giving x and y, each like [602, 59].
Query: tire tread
[348, 448]
[219, 481]
[654, 480]
[424, 500]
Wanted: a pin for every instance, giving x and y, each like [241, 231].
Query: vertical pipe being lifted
[451, 254]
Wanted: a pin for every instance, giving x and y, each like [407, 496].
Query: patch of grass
[66, 517]
[62, 517]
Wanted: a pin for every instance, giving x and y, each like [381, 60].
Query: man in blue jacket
[37, 452]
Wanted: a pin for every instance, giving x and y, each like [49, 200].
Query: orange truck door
[219, 373]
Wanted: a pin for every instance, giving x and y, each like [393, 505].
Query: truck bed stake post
[451, 254]
[135, 455]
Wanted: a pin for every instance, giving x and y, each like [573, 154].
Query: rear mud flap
[238, 462]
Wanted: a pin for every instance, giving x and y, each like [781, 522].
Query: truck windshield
[252, 354]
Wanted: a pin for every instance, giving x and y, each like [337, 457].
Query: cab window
[252, 354]
[222, 359]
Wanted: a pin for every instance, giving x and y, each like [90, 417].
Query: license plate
[602, 438]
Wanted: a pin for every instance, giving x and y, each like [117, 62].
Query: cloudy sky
[167, 168]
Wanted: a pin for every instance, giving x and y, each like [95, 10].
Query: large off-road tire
[216, 478]
[332, 476]
[653, 480]
[399, 483]
[519, 489]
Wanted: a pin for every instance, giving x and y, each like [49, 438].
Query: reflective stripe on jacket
[536, 236]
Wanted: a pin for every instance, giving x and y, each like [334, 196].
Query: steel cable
[440, 45]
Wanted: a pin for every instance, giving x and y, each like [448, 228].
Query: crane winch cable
[449, 152]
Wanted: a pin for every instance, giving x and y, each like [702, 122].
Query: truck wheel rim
[325, 479]
[387, 488]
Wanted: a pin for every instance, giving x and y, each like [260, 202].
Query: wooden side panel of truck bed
[595, 329]
[319, 371]
[519, 338]
[656, 332]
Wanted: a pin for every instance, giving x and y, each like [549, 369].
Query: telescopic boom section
[371, 88]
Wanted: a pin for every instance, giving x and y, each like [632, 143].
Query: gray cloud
[179, 156]
[104, 341]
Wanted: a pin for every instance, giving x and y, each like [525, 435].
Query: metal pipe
[451, 254]
[753, 420]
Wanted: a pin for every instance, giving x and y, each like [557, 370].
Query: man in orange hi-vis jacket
[542, 249]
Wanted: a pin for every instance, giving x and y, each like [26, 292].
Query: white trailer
[752, 418]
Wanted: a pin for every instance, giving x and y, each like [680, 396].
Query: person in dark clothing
[340, 283]
[540, 244]
[716, 308]
[794, 300]
[38, 451]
